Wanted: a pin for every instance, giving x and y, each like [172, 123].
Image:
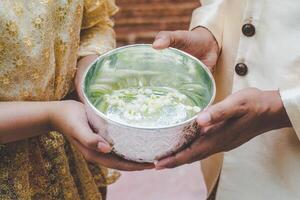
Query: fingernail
[204, 118]
[104, 148]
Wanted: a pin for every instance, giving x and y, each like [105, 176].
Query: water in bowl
[144, 87]
[147, 98]
[148, 106]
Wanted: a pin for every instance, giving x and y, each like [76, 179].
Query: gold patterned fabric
[40, 42]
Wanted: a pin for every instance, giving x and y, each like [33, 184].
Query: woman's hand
[199, 42]
[231, 123]
[69, 118]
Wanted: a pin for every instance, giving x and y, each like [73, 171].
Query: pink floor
[183, 183]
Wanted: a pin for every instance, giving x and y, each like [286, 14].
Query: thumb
[165, 39]
[224, 110]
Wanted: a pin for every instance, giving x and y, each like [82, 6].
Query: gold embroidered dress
[40, 42]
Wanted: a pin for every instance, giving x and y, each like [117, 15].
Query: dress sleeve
[211, 16]
[97, 34]
[291, 102]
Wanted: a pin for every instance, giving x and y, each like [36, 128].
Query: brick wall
[138, 21]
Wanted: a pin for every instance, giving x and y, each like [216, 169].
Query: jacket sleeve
[291, 102]
[211, 16]
[97, 34]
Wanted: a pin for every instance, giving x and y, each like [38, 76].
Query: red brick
[131, 2]
[139, 20]
[164, 10]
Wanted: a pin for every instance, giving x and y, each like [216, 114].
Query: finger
[216, 139]
[165, 39]
[114, 161]
[219, 137]
[227, 135]
[104, 147]
[231, 107]
[83, 133]
[197, 151]
[162, 40]
[111, 160]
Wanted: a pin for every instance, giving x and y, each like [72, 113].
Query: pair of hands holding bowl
[223, 126]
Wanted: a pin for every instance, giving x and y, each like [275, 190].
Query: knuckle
[243, 105]
[163, 34]
[182, 39]
[242, 101]
[217, 113]
[90, 143]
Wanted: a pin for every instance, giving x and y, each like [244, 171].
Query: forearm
[20, 120]
[274, 111]
[82, 65]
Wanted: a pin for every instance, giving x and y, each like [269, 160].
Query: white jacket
[267, 167]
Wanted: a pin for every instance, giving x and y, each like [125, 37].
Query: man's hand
[231, 123]
[199, 42]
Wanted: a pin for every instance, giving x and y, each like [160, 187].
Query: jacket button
[248, 30]
[241, 69]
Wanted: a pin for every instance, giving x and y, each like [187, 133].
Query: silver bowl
[171, 68]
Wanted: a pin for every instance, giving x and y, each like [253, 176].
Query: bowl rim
[102, 115]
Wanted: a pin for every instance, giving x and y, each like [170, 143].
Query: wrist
[52, 110]
[277, 112]
[56, 111]
[82, 65]
[209, 36]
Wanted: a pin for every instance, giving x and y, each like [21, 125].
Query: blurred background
[138, 21]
